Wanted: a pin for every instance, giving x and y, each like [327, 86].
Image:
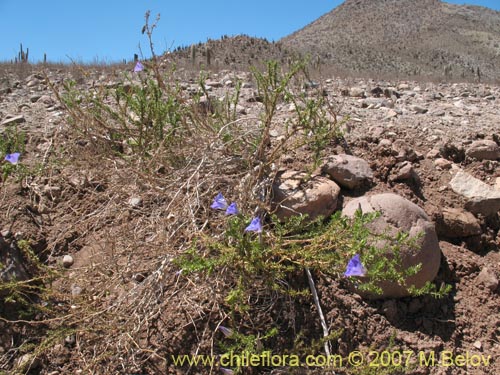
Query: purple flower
[232, 209]
[219, 203]
[13, 158]
[255, 226]
[228, 332]
[355, 267]
[226, 371]
[138, 67]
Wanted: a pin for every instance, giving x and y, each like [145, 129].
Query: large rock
[457, 223]
[295, 194]
[399, 214]
[348, 171]
[483, 150]
[482, 198]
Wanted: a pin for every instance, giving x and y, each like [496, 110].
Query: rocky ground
[435, 144]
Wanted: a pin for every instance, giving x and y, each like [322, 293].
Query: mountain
[405, 37]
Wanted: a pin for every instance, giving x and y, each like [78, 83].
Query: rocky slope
[436, 145]
[405, 37]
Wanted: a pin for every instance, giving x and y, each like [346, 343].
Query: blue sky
[110, 30]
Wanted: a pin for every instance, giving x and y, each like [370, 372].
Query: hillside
[405, 37]
[230, 52]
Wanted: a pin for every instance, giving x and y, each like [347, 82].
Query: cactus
[447, 71]
[209, 55]
[23, 56]
[317, 62]
[192, 53]
[45, 58]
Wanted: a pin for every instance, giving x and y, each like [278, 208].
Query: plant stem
[320, 311]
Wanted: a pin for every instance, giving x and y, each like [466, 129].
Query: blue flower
[138, 67]
[228, 332]
[219, 203]
[232, 209]
[355, 267]
[255, 226]
[13, 158]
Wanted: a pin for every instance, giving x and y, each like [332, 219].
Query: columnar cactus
[23, 56]
[193, 54]
[209, 55]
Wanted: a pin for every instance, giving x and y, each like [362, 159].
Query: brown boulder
[399, 214]
[483, 150]
[457, 223]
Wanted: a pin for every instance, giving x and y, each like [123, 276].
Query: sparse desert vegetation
[233, 199]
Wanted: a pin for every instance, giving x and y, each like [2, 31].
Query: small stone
[438, 113]
[35, 98]
[67, 261]
[404, 172]
[418, 109]
[488, 278]
[76, 290]
[135, 202]
[356, 92]
[348, 171]
[391, 114]
[13, 120]
[70, 340]
[376, 131]
[385, 143]
[32, 83]
[214, 84]
[47, 100]
[432, 154]
[478, 345]
[441, 163]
